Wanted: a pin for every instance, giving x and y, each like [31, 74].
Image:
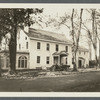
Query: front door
[80, 63]
[55, 60]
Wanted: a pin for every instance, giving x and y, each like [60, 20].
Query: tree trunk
[94, 29]
[0, 56]
[0, 66]
[75, 39]
[12, 51]
[13, 44]
[75, 61]
[90, 57]
[96, 53]
[96, 60]
[99, 53]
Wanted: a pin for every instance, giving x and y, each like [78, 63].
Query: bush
[59, 67]
[92, 63]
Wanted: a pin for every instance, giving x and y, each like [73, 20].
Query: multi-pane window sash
[48, 47]
[66, 60]
[38, 45]
[25, 38]
[57, 47]
[26, 45]
[22, 62]
[7, 62]
[38, 59]
[66, 47]
[47, 60]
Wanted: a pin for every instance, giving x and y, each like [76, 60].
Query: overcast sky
[56, 12]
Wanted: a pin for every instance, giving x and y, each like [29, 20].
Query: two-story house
[42, 49]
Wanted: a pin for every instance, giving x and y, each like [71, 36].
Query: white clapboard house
[42, 49]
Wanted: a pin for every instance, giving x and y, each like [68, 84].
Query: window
[48, 47]
[47, 60]
[84, 53]
[19, 46]
[25, 38]
[38, 59]
[66, 48]
[22, 62]
[72, 60]
[57, 47]
[38, 45]
[66, 60]
[26, 45]
[72, 49]
[7, 62]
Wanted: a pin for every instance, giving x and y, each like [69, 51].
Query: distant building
[41, 49]
[83, 57]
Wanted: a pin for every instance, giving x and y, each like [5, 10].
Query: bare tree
[75, 38]
[93, 35]
[98, 29]
[98, 38]
[75, 29]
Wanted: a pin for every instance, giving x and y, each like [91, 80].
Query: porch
[22, 60]
[60, 58]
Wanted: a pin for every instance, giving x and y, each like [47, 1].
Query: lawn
[81, 82]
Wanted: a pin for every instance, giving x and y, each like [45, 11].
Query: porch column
[59, 60]
[84, 63]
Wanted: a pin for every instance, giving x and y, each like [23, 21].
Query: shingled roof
[41, 34]
[46, 35]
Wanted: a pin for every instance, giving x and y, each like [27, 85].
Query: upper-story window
[26, 45]
[72, 60]
[48, 46]
[38, 45]
[57, 47]
[66, 48]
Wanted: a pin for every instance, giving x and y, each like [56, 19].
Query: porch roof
[81, 58]
[61, 53]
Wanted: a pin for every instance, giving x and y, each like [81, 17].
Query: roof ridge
[43, 34]
[46, 31]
